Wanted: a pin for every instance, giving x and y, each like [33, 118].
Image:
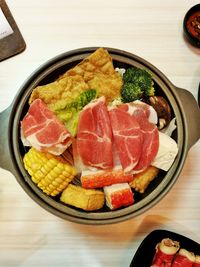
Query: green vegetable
[83, 99]
[78, 103]
[131, 92]
[68, 112]
[138, 83]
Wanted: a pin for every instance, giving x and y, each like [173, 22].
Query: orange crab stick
[118, 195]
[99, 179]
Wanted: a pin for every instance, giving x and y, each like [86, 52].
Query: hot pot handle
[192, 115]
[5, 161]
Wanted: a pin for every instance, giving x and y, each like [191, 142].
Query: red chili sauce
[193, 25]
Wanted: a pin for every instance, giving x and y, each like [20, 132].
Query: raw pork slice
[150, 143]
[42, 129]
[94, 136]
[145, 115]
[78, 163]
[139, 108]
[127, 137]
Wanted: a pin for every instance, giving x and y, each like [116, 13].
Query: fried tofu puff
[86, 199]
[98, 72]
[94, 72]
[142, 180]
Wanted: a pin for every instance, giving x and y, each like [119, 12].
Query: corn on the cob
[51, 173]
[141, 180]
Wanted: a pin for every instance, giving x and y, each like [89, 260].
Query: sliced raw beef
[127, 137]
[150, 143]
[139, 108]
[41, 129]
[144, 114]
[94, 137]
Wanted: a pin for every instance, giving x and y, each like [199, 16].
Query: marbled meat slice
[94, 137]
[41, 129]
[139, 108]
[150, 144]
[127, 137]
[144, 114]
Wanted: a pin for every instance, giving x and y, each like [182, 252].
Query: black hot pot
[184, 107]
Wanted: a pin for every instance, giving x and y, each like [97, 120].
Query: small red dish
[191, 25]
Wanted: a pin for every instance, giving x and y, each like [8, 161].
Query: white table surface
[29, 235]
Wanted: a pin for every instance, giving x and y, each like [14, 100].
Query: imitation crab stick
[99, 179]
[118, 195]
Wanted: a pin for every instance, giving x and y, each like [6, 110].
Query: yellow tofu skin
[142, 180]
[86, 199]
[94, 72]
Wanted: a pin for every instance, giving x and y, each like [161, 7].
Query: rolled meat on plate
[165, 251]
[184, 258]
[197, 261]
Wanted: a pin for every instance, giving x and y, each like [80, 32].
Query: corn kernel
[48, 171]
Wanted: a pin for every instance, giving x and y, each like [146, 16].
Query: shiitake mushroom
[160, 104]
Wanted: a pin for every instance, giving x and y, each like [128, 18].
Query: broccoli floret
[149, 91]
[141, 79]
[129, 74]
[131, 92]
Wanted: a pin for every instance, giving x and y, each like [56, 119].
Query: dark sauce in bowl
[191, 25]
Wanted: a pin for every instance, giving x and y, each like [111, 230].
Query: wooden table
[29, 235]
